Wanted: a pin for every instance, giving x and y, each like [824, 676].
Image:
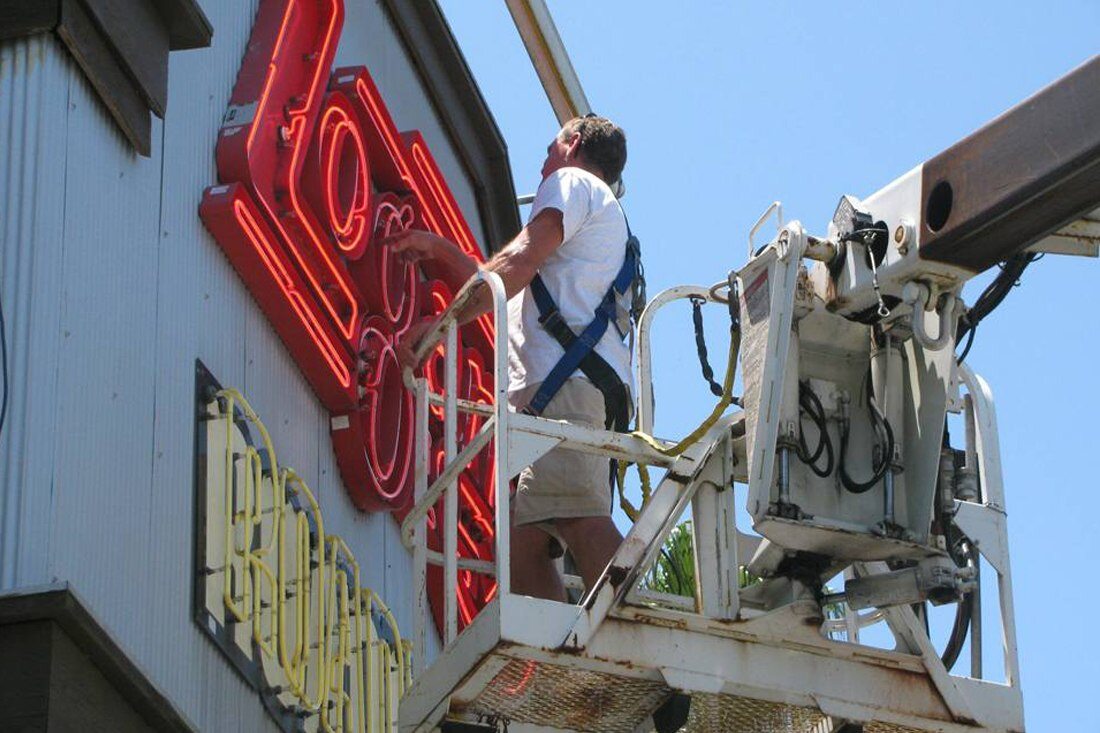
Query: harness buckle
[551, 319]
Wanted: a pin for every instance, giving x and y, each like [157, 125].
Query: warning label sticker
[756, 299]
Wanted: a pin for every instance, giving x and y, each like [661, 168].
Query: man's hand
[450, 263]
[403, 349]
[413, 245]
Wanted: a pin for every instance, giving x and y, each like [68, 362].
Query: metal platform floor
[774, 673]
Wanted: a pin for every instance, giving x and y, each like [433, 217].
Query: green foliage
[674, 570]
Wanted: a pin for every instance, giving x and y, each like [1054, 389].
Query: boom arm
[1031, 173]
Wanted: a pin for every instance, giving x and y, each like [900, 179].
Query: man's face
[560, 153]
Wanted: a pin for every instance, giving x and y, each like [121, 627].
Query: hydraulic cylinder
[887, 383]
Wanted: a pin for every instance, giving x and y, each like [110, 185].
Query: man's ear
[574, 146]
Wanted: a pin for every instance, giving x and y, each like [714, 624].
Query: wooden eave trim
[121, 45]
[59, 603]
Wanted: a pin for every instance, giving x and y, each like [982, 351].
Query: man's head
[594, 143]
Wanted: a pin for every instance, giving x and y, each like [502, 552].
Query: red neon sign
[313, 174]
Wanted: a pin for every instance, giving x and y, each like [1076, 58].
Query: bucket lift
[849, 372]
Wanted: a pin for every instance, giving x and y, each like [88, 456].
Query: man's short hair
[603, 144]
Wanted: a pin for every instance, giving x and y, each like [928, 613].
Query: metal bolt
[903, 236]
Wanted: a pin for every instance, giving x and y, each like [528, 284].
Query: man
[575, 240]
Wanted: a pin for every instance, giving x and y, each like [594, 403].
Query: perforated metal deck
[774, 673]
[569, 698]
[712, 713]
[576, 699]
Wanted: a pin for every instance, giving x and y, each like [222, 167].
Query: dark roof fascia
[58, 602]
[122, 46]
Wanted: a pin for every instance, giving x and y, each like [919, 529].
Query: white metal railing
[497, 420]
[775, 207]
[643, 370]
[414, 527]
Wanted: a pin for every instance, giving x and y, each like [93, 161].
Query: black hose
[970, 331]
[806, 406]
[881, 426]
[961, 628]
[992, 296]
[809, 402]
[701, 346]
[959, 631]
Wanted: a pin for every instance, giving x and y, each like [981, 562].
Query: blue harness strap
[579, 347]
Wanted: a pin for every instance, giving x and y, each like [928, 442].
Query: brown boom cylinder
[1018, 178]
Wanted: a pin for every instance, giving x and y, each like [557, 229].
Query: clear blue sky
[731, 105]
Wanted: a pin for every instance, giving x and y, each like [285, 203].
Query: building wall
[111, 289]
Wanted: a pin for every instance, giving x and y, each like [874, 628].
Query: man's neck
[586, 166]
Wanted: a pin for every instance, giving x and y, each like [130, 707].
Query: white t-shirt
[577, 275]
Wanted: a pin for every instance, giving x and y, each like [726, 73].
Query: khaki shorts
[564, 484]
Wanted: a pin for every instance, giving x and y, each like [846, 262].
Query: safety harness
[580, 349]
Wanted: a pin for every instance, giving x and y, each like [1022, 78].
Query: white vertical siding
[105, 379]
[204, 313]
[112, 289]
[34, 96]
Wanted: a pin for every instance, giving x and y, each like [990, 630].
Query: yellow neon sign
[285, 595]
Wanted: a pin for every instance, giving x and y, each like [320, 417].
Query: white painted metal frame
[986, 523]
[414, 528]
[621, 630]
[715, 536]
[643, 369]
[519, 440]
[780, 261]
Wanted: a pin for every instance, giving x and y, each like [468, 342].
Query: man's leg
[593, 541]
[533, 572]
[565, 482]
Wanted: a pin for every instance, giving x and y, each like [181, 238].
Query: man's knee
[588, 530]
[581, 524]
[529, 544]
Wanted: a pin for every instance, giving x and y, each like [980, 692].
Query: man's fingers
[403, 349]
[399, 241]
[404, 357]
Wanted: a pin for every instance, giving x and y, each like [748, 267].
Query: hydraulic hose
[808, 401]
[991, 297]
[963, 611]
[882, 426]
[724, 401]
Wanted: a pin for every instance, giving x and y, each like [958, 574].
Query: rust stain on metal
[616, 574]
[569, 646]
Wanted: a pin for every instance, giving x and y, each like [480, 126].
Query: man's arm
[415, 245]
[519, 261]
[516, 264]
